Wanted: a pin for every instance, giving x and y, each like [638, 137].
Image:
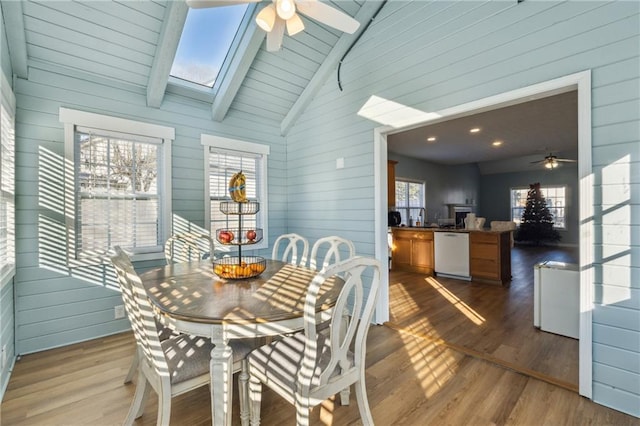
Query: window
[555, 196]
[7, 185]
[208, 39]
[121, 191]
[410, 200]
[223, 158]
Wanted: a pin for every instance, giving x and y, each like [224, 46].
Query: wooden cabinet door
[402, 250]
[422, 253]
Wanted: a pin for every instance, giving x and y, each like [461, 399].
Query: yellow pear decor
[237, 189]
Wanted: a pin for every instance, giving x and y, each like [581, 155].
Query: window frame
[8, 102]
[240, 147]
[409, 209]
[543, 189]
[75, 118]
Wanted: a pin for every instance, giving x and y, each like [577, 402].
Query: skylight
[207, 36]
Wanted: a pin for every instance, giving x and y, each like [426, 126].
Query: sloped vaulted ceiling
[134, 42]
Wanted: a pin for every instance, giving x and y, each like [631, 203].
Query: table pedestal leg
[221, 383]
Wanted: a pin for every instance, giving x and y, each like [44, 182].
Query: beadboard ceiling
[134, 42]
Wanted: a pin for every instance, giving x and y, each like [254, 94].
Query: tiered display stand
[239, 267]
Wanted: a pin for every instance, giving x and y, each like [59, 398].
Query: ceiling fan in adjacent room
[551, 161]
[274, 17]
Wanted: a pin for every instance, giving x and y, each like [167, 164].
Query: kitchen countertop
[436, 229]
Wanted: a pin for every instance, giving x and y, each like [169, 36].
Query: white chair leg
[132, 369]
[137, 405]
[243, 393]
[363, 402]
[344, 396]
[302, 415]
[255, 397]
[164, 406]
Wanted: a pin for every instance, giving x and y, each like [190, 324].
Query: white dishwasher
[451, 252]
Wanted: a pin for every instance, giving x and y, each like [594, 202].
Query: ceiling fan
[551, 161]
[274, 17]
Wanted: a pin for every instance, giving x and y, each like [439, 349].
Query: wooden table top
[192, 292]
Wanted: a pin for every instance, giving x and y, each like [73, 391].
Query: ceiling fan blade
[201, 4]
[566, 160]
[274, 38]
[327, 15]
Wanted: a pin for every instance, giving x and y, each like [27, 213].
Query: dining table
[190, 298]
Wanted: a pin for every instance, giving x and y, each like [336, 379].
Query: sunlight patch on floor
[434, 365]
[465, 309]
[403, 303]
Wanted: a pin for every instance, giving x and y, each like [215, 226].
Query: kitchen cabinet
[391, 183]
[490, 256]
[413, 250]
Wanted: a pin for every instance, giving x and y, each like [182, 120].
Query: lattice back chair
[329, 250]
[307, 368]
[291, 250]
[188, 247]
[129, 302]
[173, 366]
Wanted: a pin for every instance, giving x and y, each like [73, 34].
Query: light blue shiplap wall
[7, 324]
[52, 307]
[433, 55]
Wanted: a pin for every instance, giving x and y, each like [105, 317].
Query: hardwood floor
[488, 321]
[440, 361]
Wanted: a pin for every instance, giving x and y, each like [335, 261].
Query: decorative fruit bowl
[229, 236]
[236, 268]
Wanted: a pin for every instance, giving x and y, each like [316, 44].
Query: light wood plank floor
[430, 366]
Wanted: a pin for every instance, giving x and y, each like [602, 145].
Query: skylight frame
[184, 87]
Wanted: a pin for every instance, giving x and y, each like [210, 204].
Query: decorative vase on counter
[470, 221]
[473, 222]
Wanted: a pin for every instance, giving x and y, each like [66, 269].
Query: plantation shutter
[7, 191]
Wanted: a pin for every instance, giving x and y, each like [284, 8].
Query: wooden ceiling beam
[364, 15]
[16, 38]
[237, 70]
[174, 19]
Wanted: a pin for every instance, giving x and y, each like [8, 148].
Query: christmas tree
[536, 225]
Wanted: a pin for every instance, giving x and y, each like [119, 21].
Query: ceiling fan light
[266, 19]
[294, 25]
[286, 9]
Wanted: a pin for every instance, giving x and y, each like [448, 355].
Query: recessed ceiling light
[431, 139]
[496, 143]
[474, 130]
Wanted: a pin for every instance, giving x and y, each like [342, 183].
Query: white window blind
[118, 201]
[222, 166]
[7, 192]
[223, 157]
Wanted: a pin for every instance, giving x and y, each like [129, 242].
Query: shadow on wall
[57, 229]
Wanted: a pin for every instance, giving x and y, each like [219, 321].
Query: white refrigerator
[556, 298]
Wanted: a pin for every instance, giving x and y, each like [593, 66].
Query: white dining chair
[291, 250]
[329, 250]
[307, 368]
[187, 247]
[173, 366]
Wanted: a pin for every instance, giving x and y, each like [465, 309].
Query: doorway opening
[580, 82]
